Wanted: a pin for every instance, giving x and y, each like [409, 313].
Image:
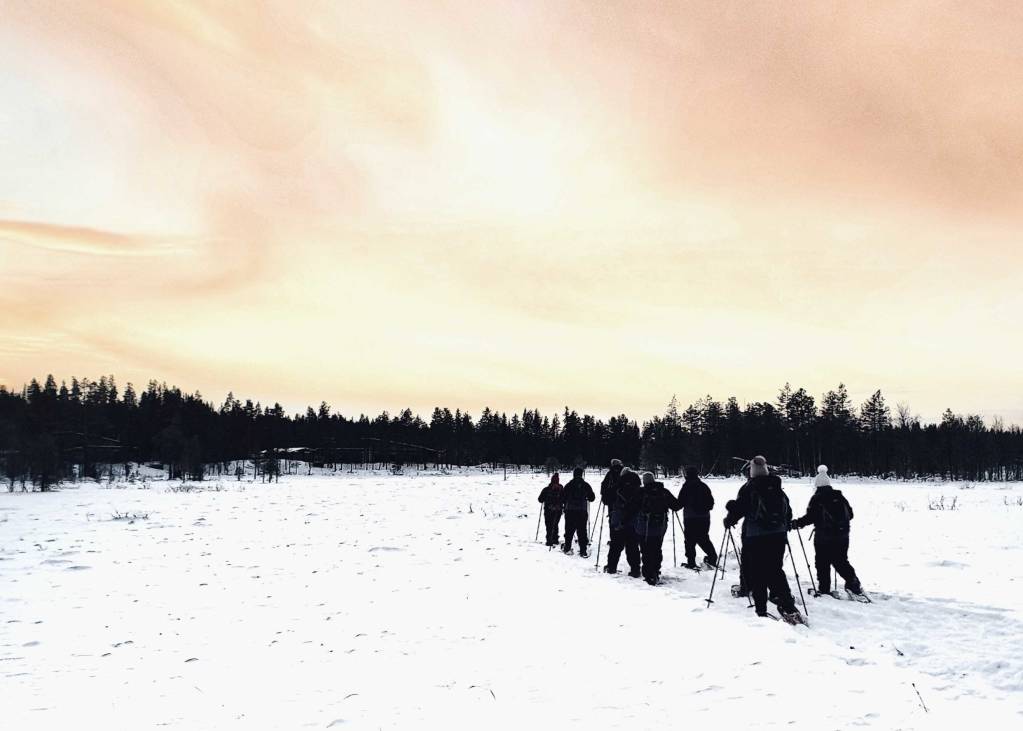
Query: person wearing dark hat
[763, 506]
[697, 501]
[830, 513]
[621, 508]
[553, 499]
[578, 494]
[651, 523]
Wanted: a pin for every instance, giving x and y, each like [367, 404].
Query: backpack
[652, 517]
[835, 513]
[770, 507]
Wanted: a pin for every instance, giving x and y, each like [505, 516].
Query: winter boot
[583, 553]
[609, 570]
[635, 573]
[708, 563]
[793, 617]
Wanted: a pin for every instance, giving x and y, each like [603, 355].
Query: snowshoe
[708, 564]
[793, 617]
[653, 580]
[609, 570]
[739, 591]
[860, 596]
[583, 553]
[635, 574]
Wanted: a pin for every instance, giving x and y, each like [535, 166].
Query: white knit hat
[758, 467]
[822, 479]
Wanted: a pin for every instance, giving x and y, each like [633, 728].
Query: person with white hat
[830, 514]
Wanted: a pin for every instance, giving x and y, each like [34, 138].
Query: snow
[421, 600]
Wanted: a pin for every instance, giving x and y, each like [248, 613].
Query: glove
[729, 524]
[792, 525]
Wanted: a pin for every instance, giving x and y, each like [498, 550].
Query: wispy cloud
[79, 240]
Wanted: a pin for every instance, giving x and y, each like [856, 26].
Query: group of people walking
[638, 506]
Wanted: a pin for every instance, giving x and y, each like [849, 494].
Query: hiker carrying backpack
[830, 513]
[651, 523]
[764, 508]
[621, 506]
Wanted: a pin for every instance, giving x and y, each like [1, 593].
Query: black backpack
[652, 516]
[835, 513]
[770, 506]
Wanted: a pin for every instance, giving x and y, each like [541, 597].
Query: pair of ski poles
[724, 558]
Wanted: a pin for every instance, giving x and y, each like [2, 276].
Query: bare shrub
[130, 517]
[941, 504]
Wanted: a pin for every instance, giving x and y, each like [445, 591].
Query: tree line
[50, 433]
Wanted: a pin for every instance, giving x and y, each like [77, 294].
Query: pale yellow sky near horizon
[515, 204]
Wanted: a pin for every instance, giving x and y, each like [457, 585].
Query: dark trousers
[834, 551]
[650, 552]
[575, 525]
[763, 569]
[698, 534]
[623, 538]
[551, 518]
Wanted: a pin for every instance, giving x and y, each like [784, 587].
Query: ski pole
[588, 531]
[538, 519]
[796, 572]
[735, 547]
[600, 512]
[600, 537]
[738, 557]
[710, 597]
[807, 559]
[680, 526]
[674, 555]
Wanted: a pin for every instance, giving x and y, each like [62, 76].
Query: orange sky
[516, 204]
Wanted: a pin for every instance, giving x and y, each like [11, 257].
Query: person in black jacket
[697, 501]
[763, 506]
[830, 513]
[553, 499]
[651, 523]
[621, 505]
[578, 494]
[609, 485]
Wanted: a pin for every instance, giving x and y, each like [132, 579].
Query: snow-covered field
[421, 601]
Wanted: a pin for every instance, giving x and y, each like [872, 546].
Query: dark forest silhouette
[50, 433]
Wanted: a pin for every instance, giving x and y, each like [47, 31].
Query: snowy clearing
[378, 601]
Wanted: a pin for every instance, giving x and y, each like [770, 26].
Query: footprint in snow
[383, 548]
[77, 567]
